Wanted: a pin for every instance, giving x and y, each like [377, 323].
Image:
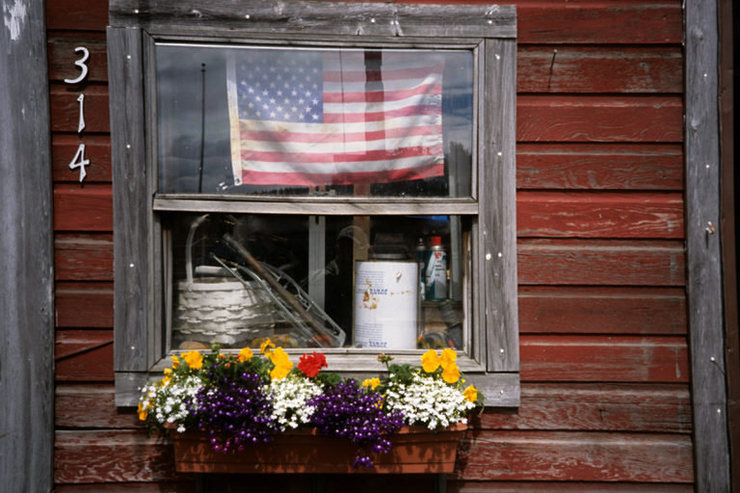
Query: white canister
[386, 304]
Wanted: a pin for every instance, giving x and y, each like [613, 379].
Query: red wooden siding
[604, 361]
[97, 150]
[602, 310]
[599, 215]
[589, 166]
[576, 456]
[599, 69]
[84, 304]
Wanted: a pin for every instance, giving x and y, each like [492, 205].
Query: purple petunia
[355, 413]
[235, 412]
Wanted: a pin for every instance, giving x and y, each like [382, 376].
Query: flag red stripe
[349, 76]
[377, 116]
[339, 157]
[349, 178]
[381, 96]
[320, 137]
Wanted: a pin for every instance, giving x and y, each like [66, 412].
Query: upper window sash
[308, 121]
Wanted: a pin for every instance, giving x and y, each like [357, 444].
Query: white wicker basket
[219, 309]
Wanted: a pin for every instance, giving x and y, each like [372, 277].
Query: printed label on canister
[386, 304]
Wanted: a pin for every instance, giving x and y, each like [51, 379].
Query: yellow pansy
[265, 347]
[245, 354]
[282, 363]
[471, 393]
[279, 372]
[451, 373]
[430, 361]
[371, 382]
[193, 359]
[175, 361]
[168, 371]
[143, 412]
[448, 357]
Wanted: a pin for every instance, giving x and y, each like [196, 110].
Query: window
[278, 175]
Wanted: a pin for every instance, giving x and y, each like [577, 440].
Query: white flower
[428, 401]
[166, 400]
[290, 398]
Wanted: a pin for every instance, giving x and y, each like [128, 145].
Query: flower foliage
[244, 399]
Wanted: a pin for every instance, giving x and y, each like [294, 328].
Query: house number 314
[79, 161]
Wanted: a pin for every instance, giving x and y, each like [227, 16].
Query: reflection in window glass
[314, 121]
[362, 281]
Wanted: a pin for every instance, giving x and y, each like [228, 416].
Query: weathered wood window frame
[488, 31]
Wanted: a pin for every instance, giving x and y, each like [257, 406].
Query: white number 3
[80, 63]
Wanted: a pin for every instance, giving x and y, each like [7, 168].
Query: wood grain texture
[183, 486]
[131, 194]
[84, 356]
[587, 22]
[596, 407]
[111, 457]
[562, 486]
[77, 15]
[555, 22]
[65, 109]
[318, 18]
[604, 359]
[575, 456]
[729, 197]
[497, 186]
[83, 257]
[601, 262]
[84, 305]
[599, 69]
[546, 118]
[331, 483]
[599, 166]
[62, 56]
[91, 406]
[602, 310]
[26, 263]
[599, 215]
[704, 256]
[78, 208]
[97, 150]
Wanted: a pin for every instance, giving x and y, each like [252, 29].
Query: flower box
[415, 449]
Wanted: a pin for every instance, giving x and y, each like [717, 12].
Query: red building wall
[604, 361]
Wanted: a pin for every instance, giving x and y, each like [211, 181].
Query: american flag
[311, 118]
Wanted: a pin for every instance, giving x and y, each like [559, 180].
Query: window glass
[389, 282]
[305, 121]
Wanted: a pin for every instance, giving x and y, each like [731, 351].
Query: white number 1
[81, 124]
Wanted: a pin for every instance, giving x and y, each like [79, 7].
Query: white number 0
[80, 63]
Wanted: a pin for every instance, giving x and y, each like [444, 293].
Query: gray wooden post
[711, 450]
[26, 261]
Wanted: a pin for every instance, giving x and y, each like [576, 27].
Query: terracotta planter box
[415, 450]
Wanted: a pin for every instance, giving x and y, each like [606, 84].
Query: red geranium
[310, 364]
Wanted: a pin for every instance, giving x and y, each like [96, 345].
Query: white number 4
[79, 161]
